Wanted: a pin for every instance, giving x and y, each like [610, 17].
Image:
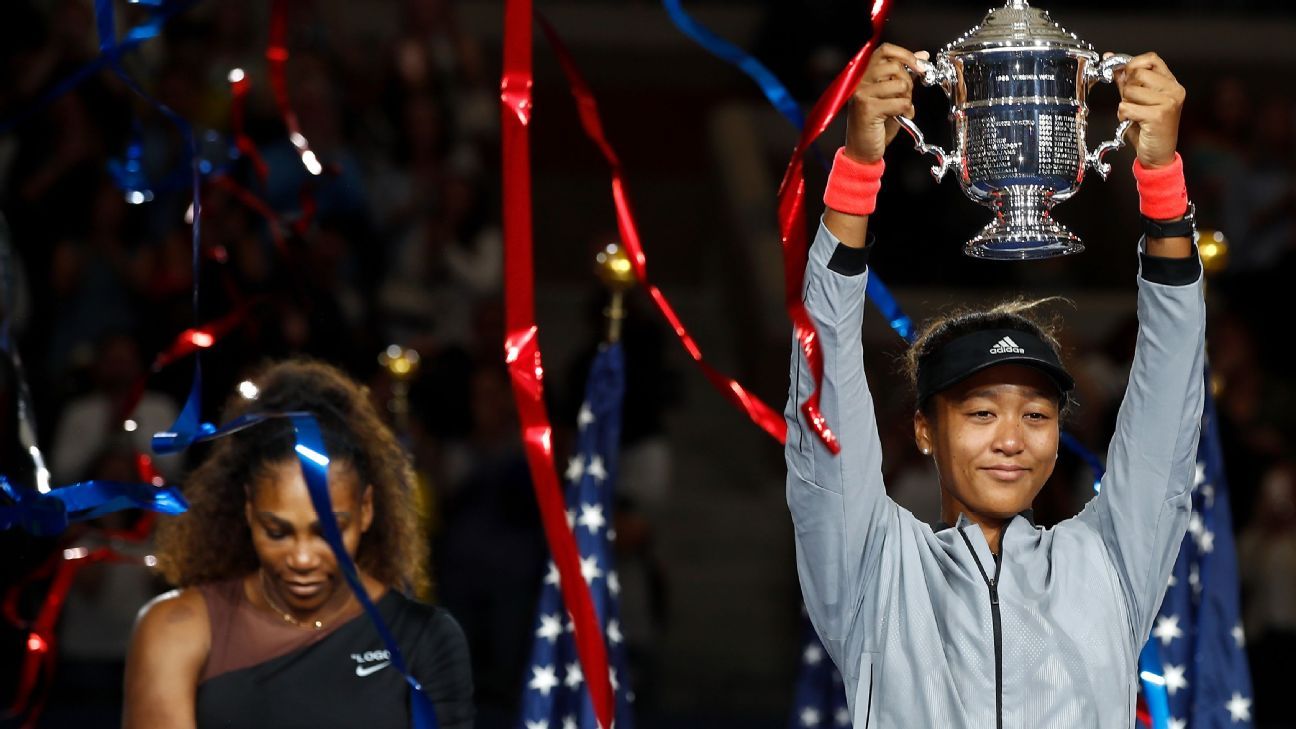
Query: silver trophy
[1017, 85]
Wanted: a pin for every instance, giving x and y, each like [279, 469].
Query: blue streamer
[877, 292]
[770, 85]
[134, 36]
[781, 98]
[1155, 694]
[128, 173]
[314, 460]
[1096, 466]
[50, 513]
[314, 464]
[188, 420]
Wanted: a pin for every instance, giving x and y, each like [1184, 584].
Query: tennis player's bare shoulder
[175, 614]
[170, 644]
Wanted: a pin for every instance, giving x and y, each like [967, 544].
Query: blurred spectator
[92, 425]
[1260, 198]
[1267, 557]
[490, 554]
[100, 611]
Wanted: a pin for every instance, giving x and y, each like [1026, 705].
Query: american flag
[555, 696]
[820, 695]
[1198, 631]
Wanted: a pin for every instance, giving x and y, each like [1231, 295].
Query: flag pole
[615, 271]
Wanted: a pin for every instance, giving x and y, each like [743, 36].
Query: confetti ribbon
[26, 411]
[37, 670]
[522, 354]
[781, 98]
[792, 220]
[110, 49]
[240, 85]
[277, 56]
[314, 460]
[50, 513]
[133, 37]
[770, 420]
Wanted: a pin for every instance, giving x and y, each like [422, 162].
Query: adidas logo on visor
[1006, 346]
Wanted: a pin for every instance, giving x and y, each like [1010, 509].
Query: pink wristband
[1162, 192]
[853, 186]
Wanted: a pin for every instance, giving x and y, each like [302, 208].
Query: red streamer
[770, 420]
[792, 219]
[522, 354]
[277, 58]
[39, 661]
[240, 84]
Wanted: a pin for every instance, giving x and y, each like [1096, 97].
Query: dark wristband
[849, 261]
[1182, 228]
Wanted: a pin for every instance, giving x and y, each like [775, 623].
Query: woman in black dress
[264, 631]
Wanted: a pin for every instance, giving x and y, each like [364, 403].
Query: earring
[926, 451]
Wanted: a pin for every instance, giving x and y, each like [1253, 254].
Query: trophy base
[1023, 228]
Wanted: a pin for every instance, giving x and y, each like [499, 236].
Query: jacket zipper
[993, 584]
[998, 643]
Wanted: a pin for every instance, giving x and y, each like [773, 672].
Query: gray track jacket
[927, 628]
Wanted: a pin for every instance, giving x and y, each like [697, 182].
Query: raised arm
[838, 502]
[167, 651]
[1143, 507]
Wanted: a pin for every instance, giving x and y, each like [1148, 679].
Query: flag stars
[585, 417]
[1177, 723]
[842, 717]
[596, 469]
[810, 716]
[612, 678]
[550, 628]
[1167, 629]
[552, 577]
[575, 469]
[543, 679]
[542, 724]
[614, 583]
[590, 569]
[1206, 541]
[1239, 708]
[813, 655]
[1239, 636]
[569, 722]
[1174, 678]
[614, 632]
[591, 517]
[1199, 477]
[574, 675]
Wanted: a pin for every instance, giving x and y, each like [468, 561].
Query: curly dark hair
[212, 541]
[1019, 313]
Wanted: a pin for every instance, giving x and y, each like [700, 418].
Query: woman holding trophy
[992, 621]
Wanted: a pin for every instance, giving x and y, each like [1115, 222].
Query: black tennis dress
[263, 672]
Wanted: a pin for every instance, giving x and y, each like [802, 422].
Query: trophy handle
[944, 160]
[1105, 72]
[940, 74]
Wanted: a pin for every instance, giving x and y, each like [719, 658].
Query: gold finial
[402, 364]
[1214, 249]
[614, 268]
[616, 272]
